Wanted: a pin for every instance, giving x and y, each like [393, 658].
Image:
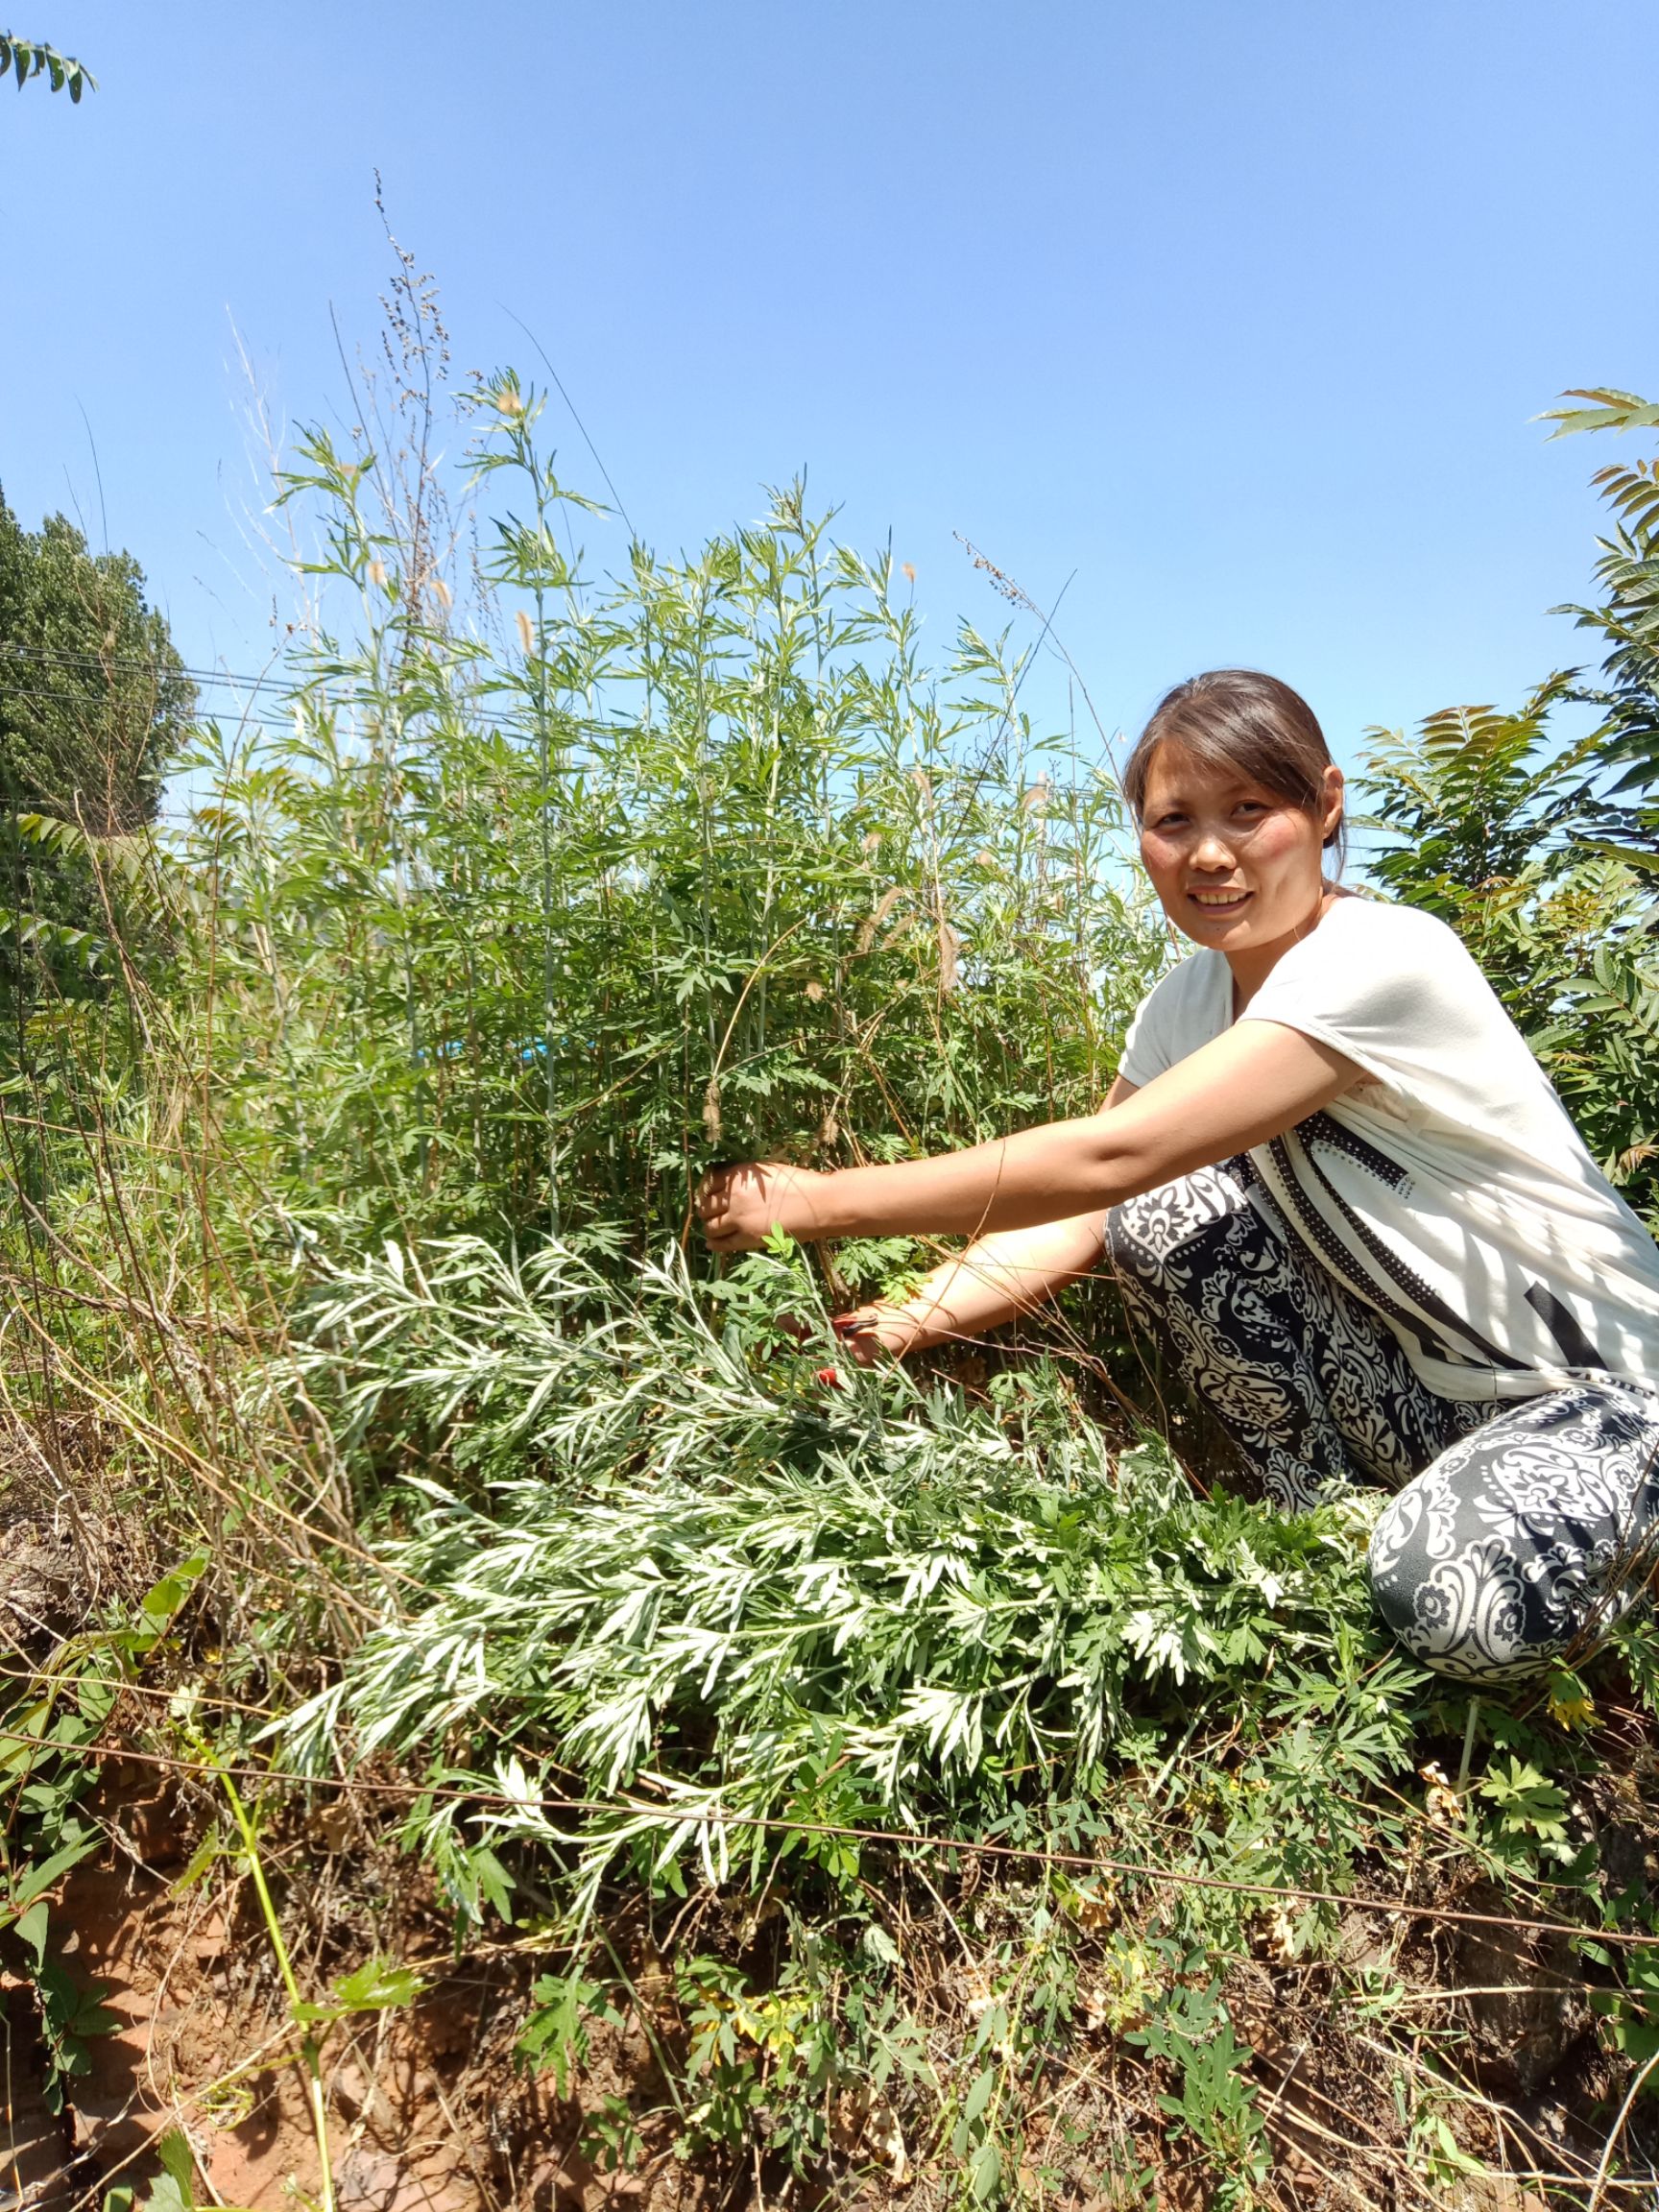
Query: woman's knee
[1458, 1607]
[1472, 1591]
[1525, 1539]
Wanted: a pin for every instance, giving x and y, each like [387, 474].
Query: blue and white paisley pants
[1519, 1530]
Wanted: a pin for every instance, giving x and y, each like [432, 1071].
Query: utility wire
[220, 677]
[266, 720]
[150, 668]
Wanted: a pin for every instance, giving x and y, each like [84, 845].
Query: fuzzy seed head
[884, 906]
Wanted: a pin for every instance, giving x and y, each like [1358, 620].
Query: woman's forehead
[1174, 771]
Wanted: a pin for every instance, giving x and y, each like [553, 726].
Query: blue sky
[1237, 314]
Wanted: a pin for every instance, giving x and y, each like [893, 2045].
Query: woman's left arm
[1249, 1085]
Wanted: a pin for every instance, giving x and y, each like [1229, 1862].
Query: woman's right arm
[994, 1278]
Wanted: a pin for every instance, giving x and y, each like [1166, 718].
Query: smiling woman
[1228, 782]
[1333, 1177]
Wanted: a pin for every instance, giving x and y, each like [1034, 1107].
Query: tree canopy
[93, 702]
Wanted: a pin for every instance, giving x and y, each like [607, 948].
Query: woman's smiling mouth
[1220, 901]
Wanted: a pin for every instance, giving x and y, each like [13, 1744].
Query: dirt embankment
[431, 2110]
[428, 2111]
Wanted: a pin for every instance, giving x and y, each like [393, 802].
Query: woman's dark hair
[1239, 718]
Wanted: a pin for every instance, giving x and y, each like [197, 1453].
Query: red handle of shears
[852, 1325]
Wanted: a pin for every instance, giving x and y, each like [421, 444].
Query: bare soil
[429, 2113]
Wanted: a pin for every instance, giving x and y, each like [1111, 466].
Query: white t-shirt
[1452, 1193]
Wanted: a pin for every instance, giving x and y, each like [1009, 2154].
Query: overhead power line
[221, 678]
[215, 675]
[224, 680]
[266, 719]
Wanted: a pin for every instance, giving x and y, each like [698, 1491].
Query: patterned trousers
[1519, 1529]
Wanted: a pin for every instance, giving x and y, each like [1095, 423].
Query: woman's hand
[739, 1206]
[878, 1330]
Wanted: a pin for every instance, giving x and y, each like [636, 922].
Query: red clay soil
[426, 2111]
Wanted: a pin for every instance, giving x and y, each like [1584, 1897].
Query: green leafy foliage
[94, 703]
[47, 1769]
[68, 2013]
[27, 58]
[174, 2189]
[1626, 622]
[1215, 2101]
[1541, 854]
[709, 860]
[555, 2035]
[377, 1986]
[843, 1606]
[1631, 2013]
[1529, 1809]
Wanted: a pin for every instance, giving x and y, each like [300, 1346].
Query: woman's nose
[1212, 850]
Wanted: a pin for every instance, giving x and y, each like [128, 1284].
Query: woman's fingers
[857, 1334]
[873, 1332]
[711, 1194]
[724, 1217]
[713, 1205]
[739, 1205]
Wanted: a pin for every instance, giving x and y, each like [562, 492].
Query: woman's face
[1236, 865]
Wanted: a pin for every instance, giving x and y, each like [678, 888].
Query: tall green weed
[514, 934]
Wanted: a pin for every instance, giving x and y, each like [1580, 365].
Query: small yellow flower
[1571, 1706]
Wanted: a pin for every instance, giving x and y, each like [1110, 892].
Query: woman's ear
[1331, 802]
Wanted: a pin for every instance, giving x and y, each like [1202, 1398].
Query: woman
[1331, 1174]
